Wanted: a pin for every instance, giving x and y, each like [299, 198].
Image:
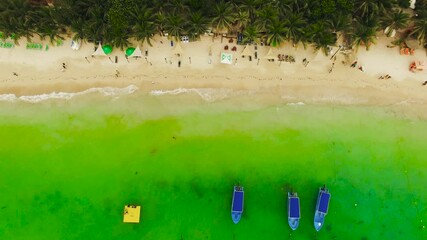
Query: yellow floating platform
[131, 214]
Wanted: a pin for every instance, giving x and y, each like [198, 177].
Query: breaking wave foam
[207, 94]
[106, 91]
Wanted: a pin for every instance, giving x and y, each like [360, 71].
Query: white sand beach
[40, 71]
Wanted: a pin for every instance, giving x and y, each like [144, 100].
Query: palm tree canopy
[116, 21]
[223, 16]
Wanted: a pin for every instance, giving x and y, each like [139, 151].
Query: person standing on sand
[330, 70]
[424, 83]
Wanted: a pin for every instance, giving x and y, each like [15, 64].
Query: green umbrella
[129, 51]
[107, 49]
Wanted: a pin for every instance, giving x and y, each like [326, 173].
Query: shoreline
[39, 73]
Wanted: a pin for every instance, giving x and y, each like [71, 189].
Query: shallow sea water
[67, 168]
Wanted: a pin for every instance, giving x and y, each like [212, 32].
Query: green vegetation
[318, 23]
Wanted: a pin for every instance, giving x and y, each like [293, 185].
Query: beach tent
[270, 55]
[99, 51]
[136, 53]
[226, 58]
[247, 51]
[178, 49]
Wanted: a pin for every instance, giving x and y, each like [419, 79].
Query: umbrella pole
[110, 60]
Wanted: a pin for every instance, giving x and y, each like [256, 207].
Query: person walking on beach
[424, 83]
[330, 70]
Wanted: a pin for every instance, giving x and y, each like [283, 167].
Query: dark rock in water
[364, 238]
[328, 228]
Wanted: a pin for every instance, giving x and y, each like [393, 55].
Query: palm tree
[364, 35]
[340, 23]
[96, 27]
[250, 34]
[197, 25]
[177, 7]
[251, 6]
[420, 30]
[283, 7]
[46, 25]
[385, 5]
[294, 27]
[144, 26]
[119, 40]
[223, 16]
[369, 8]
[364, 8]
[175, 26]
[275, 32]
[17, 17]
[265, 16]
[160, 22]
[241, 18]
[396, 20]
[322, 37]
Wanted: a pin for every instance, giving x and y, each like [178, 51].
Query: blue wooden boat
[237, 204]
[321, 207]
[293, 210]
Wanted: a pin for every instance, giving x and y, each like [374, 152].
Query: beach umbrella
[270, 54]
[107, 49]
[99, 51]
[247, 51]
[136, 53]
[412, 43]
[129, 51]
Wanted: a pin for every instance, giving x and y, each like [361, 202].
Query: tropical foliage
[319, 23]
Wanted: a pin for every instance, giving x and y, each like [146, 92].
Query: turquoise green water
[68, 168]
